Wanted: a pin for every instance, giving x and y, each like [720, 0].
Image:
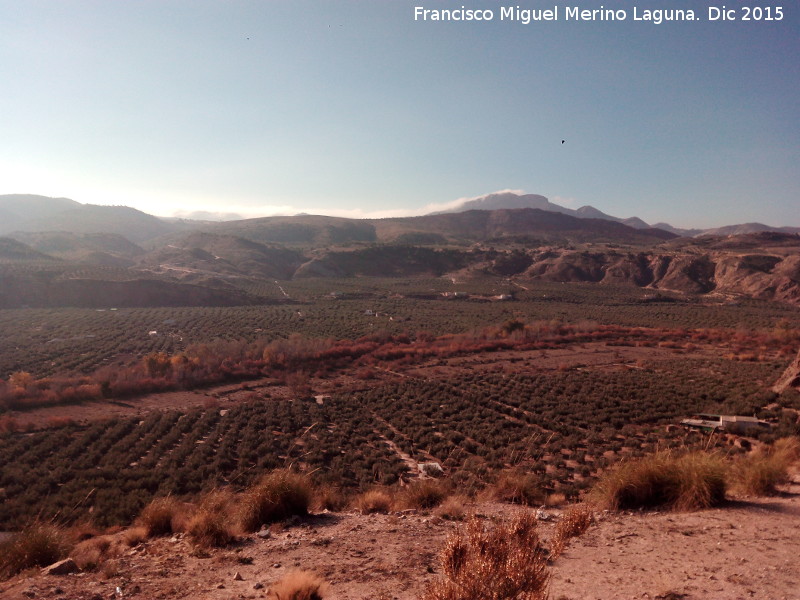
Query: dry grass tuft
[328, 497]
[518, 488]
[688, 482]
[276, 496]
[453, 508]
[90, 553]
[423, 493]
[575, 520]
[163, 516]
[502, 563]
[759, 473]
[376, 500]
[209, 526]
[300, 585]
[134, 536]
[37, 545]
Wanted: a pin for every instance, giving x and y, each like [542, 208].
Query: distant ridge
[511, 200]
[34, 213]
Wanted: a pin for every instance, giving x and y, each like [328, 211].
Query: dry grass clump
[423, 493]
[329, 497]
[502, 563]
[163, 516]
[276, 496]
[518, 488]
[376, 500]
[453, 508]
[688, 482]
[37, 545]
[759, 473]
[300, 585]
[575, 520]
[211, 525]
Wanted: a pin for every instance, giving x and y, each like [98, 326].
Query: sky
[354, 108]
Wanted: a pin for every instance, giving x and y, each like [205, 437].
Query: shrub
[376, 500]
[210, 525]
[276, 496]
[328, 497]
[300, 585]
[573, 523]
[760, 472]
[519, 488]
[90, 553]
[37, 545]
[424, 493]
[502, 563]
[453, 508]
[163, 516]
[689, 482]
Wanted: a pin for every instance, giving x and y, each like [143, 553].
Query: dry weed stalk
[505, 562]
[575, 520]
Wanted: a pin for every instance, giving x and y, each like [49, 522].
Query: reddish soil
[747, 549]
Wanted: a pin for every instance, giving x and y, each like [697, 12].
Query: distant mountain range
[31, 213]
[57, 252]
[513, 200]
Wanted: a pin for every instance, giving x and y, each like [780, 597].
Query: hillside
[12, 250]
[17, 209]
[134, 224]
[109, 249]
[200, 254]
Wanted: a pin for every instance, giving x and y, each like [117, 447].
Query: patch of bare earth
[747, 549]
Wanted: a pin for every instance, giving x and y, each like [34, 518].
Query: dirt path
[748, 549]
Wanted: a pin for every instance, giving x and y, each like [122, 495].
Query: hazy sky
[355, 108]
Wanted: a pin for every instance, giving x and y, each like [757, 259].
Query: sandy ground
[746, 549]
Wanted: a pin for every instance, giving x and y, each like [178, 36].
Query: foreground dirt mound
[747, 549]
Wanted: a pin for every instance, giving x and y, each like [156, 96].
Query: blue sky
[353, 108]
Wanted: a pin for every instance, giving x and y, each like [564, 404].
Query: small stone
[276, 566]
[257, 586]
[62, 567]
[238, 576]
[264, 534]
[221, 586]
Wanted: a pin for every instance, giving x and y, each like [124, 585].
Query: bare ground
[746, 549]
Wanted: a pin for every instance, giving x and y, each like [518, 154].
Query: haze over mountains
[57, 252]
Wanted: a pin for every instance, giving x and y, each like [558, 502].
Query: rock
[542, 515]
[258, 586]
[62, 567]
[238, 576]
[263, 533]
